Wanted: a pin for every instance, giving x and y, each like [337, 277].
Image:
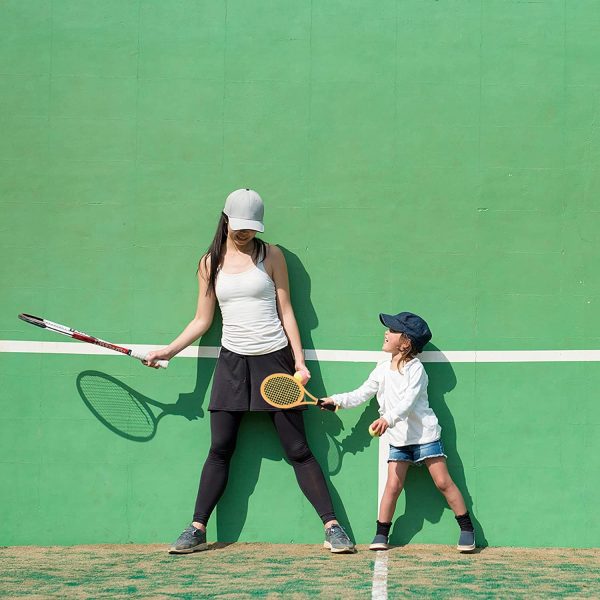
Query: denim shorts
[416, 453]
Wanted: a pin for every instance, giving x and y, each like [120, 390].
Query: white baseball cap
[245, 210]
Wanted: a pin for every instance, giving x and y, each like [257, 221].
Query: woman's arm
[284, 305]
[197, 327]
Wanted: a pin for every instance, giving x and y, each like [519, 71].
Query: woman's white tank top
[247, 300]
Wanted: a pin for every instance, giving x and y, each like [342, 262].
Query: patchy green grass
[292, 572]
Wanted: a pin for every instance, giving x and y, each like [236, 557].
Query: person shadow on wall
[258, 439]
[423, 501]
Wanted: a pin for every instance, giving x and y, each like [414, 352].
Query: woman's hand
[379, 426]
[155, 355]
[300, 367]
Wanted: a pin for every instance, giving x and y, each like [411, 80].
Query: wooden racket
[283, 391]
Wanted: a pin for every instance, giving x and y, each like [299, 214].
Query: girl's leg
[439, 473]
[224, 427]
[290, 428]
[393, 488]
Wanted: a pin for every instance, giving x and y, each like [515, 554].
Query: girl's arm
[284, 305]
[360, 395]
[198, 326]
[417, 383]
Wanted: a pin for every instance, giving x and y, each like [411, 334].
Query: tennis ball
[298, 376]
[372, 432]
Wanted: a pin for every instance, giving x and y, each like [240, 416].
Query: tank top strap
[261, 263]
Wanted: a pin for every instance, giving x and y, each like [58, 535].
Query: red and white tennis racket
[84, 337]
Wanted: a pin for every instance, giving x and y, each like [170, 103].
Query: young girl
[412, 427]
[248, 279]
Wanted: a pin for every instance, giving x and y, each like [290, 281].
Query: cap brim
[237, 224]
[385, 319]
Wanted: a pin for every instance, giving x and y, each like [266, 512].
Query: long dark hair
[216, 250]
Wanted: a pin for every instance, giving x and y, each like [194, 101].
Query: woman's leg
[439, 473]
[393, 488]
[290, 428]
[224, 427]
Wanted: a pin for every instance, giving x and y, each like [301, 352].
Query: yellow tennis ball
[298, 376]
[373, 432]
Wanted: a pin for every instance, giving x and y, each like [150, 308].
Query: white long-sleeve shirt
[403, 402]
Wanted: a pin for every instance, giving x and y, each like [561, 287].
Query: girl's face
[241, 237]
[394, 342]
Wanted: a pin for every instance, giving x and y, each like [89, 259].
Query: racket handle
[331, 407]
[163, 364]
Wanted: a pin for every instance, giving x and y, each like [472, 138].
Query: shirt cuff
[391, 420]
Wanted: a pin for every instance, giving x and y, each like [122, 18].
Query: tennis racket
[84, 337]
[283, 391]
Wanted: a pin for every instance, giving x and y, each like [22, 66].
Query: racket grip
[163, 364]
[331, 407]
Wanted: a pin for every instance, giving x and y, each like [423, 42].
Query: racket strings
[282, 391]
[117, 408]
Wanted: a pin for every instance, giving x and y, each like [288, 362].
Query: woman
[249, 280]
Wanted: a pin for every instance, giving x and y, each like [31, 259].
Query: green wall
[436, 156]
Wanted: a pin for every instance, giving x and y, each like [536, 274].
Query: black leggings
[290, 427]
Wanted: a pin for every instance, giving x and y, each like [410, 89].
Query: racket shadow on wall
[125, 411]
[358, 440]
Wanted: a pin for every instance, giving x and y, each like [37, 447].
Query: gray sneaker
[190, 540]
[337, 541]
[466, 541]
[380, 542]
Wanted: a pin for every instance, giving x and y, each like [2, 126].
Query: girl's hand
[327, 401]
[155, 355]
[303, 371]
[379, 426]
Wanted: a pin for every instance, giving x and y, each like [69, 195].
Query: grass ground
[243, 570]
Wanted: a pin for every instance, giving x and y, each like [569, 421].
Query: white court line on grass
[380, 573]
[359, 356]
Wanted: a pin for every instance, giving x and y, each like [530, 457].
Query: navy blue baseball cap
[410, 324]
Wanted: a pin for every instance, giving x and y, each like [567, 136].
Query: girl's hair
[410, 352]
[216, 251]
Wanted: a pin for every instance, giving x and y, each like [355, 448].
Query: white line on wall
[384, 446]
[358, 356]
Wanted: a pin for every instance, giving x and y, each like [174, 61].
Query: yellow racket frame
[287, 384]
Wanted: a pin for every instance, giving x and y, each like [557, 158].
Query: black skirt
[236, 384]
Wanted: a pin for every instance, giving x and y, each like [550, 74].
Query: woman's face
[241, 237]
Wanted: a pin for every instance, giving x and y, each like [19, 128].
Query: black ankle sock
[383, 528]
[464, 522]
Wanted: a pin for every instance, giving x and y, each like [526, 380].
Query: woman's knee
[221, 450]
[298, 452]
